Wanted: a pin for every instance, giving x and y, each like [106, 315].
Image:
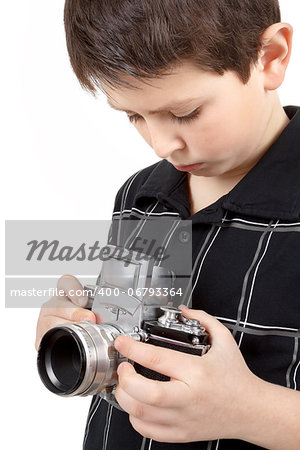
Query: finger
[65, 309]
[168, 362]
[73, 289]
[145, 412]
[166, 394]
[47, 324]
[217, 331]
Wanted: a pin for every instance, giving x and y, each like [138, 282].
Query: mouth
[189, 168]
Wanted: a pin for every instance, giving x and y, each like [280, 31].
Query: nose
[164, 139]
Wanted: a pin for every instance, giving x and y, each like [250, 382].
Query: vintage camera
[132, 297]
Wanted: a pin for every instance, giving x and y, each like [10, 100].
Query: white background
[64, 156]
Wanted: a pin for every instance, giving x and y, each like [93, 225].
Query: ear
[275, 54]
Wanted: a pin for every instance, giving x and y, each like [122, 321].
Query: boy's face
[194, 116]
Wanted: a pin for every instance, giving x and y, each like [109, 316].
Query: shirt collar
[271, 189]
[168, 185]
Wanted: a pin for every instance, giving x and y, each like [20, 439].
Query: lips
[189, 168]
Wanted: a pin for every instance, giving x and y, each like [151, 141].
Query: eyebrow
[172, 105]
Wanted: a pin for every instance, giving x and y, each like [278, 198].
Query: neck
[277, 123]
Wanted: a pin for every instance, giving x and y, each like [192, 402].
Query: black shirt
[246, 255]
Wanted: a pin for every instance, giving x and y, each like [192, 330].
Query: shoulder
[127, 192]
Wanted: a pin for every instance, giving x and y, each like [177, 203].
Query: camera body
[133, 296]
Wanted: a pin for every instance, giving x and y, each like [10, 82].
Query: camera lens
[78, 358]
[61, 361]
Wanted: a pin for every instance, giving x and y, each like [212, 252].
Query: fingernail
[123, 367]
[82, 301]
[117, 344]
[120, 369]
[88, 318]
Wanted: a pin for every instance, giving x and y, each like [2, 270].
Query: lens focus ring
[78, 358]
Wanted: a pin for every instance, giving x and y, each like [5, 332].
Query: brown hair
[107, 39]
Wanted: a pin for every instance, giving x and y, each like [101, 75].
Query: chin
[204, 173]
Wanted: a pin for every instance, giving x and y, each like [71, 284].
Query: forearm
[272, 417]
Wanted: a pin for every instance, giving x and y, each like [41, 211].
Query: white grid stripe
[107, 426]
[90, 418]
[166, 213]
[269, 327]
[295, 374]
[253, 283]
[202, 261]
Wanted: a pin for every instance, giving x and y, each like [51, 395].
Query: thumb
[216, 330]
[73, 289]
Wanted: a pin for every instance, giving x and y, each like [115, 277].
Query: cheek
[215, 139]
[223, 135]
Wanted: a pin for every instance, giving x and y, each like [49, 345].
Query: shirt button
[184, 236]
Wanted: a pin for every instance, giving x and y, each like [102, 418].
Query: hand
[63, 309]
[205, 399]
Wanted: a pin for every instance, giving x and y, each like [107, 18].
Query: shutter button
[184, 236]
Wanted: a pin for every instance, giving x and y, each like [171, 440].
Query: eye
[188, 118]
[179, 119]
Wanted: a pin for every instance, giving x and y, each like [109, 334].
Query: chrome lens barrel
[78, 358]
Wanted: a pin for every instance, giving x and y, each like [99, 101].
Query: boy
[198, 80]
